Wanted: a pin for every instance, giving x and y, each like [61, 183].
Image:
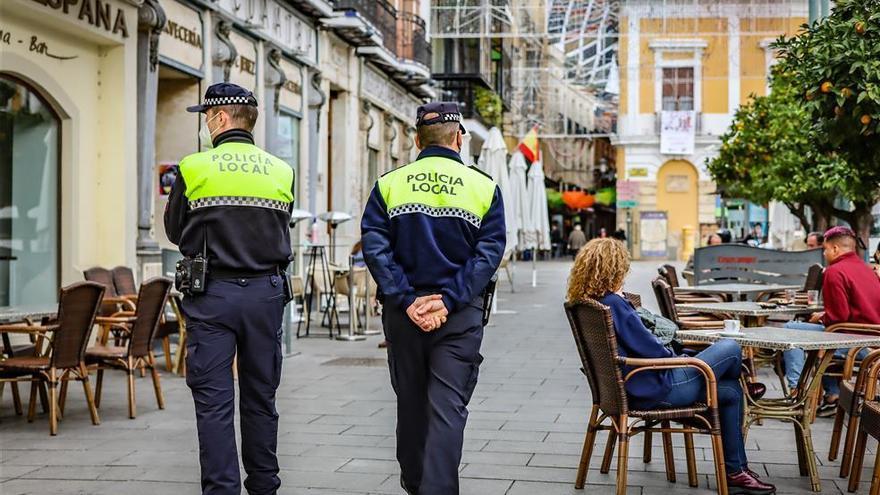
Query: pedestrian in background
[555, 240]
[229, 211]
[815, 240]
[433, 238]
[576, 240]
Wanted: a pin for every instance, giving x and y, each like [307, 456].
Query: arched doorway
[678, 195]
[29, 195]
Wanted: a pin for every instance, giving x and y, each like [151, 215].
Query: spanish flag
[529, 145]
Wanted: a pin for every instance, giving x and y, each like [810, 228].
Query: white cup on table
[731, 326]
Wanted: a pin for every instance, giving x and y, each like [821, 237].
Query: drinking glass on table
[812, 298]
[790, 295]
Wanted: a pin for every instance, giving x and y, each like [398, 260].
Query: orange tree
[834, 68]
[770, 153]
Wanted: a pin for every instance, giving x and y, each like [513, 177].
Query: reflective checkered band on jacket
[239, 201]
[436, 212]
[228, 100]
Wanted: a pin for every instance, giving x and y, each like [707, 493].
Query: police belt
[227, 273]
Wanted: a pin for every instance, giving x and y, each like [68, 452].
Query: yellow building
[685, 67]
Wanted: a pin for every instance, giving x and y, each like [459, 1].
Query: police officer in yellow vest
[229, 212]
[433, 237]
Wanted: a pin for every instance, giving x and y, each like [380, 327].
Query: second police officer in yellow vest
[433, 237]
[230, 206]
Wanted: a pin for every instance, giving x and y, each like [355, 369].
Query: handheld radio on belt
[488, 298]
[190, 273]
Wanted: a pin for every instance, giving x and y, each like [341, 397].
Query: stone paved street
[524, 435]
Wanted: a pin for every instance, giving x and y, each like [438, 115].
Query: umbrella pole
[534, 269]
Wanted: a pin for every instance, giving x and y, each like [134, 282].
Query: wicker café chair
[852, 393]
[869, 425]
[123, 281]
[77, 308]
[594, 335]
[137, 353]
[670, 275]
[666, 301]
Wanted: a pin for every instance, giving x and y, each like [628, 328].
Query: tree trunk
[822, 213]
[799, 211]
[861, 224]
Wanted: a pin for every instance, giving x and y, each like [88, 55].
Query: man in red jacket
[851, 294]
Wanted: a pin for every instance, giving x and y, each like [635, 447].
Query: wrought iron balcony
[380, 13]
[411, 41]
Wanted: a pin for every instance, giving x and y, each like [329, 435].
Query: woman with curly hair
[598, 273]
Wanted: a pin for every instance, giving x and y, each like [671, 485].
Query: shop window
[29, 237]
[678, 88]
[287, 143]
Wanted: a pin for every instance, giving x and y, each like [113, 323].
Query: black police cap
[224, 94]
[447, 111]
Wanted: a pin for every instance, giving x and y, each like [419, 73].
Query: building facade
[685, 67]
[93, 122]
[68, 140]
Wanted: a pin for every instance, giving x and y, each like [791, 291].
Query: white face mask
[206, 137]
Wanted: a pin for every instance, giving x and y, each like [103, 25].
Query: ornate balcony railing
[411, 41]
[380, 13]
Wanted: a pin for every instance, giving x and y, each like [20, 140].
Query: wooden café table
[797, 409]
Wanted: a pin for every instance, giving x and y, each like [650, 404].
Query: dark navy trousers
[240, 316]
[433, 375]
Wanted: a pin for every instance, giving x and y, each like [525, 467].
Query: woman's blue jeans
[689, 386]
[795, 359]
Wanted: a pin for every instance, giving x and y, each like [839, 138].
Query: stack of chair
[120, 300]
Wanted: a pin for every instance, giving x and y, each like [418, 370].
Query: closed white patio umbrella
[518, 195]
[537, 228]
[493, 161]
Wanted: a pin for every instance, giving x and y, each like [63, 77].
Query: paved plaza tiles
[336, 434]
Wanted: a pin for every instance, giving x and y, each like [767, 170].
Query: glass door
[29, 237]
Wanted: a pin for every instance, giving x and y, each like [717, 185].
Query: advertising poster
[677, 132]
[652, 228]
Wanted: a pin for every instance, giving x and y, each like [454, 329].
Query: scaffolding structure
[547, 90]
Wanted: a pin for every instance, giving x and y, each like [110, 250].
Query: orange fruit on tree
[846, 92]
[809, 96]
[860, 27]
[827, 87]
[838, 111]
[865, 120]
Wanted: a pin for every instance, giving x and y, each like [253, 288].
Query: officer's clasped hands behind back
[429, 312]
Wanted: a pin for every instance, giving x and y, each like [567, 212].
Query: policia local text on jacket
[234, 202]
[434, 226]
[240, 197]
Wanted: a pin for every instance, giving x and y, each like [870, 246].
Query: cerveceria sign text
[98, 13]
[189, 36]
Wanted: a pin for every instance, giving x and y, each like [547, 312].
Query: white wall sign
[181, 39]
[244, 69]
[291, 91]
[677, 132]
